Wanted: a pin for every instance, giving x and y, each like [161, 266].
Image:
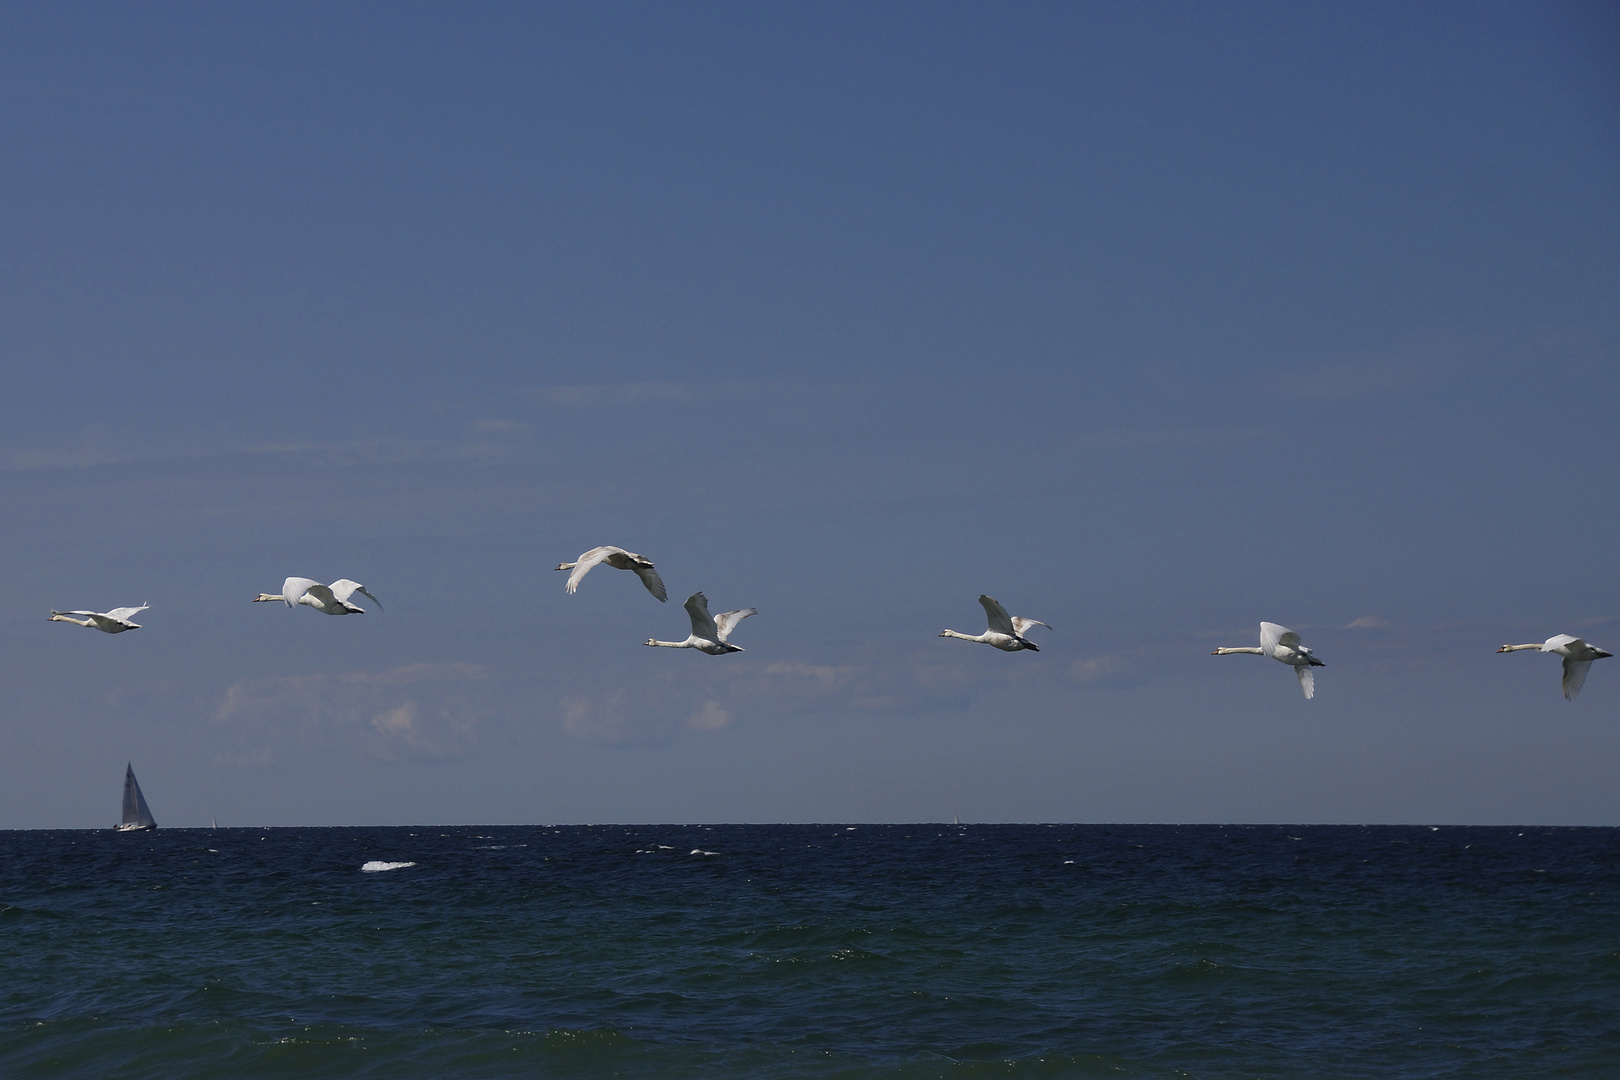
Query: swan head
[650, 641]
[565, 566]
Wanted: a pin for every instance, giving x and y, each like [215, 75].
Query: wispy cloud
[1109, 671]
[484, 440]
[607, 394]
[707, 700]
[415, 711]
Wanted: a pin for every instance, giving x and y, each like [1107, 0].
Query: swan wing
[585, 562]
[1574, 677]
[123, 614]
[1273, 635]
[727, 621]
[294, 587]
[86, 614]
[343, 588]
[1562, 643]
[1020, 624]
[1307, 681]
[1000, 621]
[697, 606]
[655, 584]
[323, 593]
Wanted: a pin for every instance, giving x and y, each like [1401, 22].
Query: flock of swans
[710, 632]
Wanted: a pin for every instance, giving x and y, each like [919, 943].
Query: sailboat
[137, 815]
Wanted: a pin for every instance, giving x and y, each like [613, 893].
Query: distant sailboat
[137, 815]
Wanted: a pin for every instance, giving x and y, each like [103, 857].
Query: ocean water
[812, 951]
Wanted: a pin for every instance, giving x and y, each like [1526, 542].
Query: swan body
[115, 621]
[1281, 643]
[1006, 632]
[619, 559]
[330, 599]
[709, 633]
[1577, 654]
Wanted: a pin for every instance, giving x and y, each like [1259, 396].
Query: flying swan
[1577, 654]
[330, 599]
[115, 621]
[1006, 632]
[709, 633]
[1281, 643]
[619, 559]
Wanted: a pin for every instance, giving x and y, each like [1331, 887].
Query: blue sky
[1151, 320]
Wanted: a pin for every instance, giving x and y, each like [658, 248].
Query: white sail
[137, 815]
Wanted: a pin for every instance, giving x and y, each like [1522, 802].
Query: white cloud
[1368, 622]
[711, 717]
[415, 711]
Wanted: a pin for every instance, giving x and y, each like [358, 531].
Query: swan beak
[1503, 649]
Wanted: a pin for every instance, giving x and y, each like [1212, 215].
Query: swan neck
[1517, 648]
[1257, 650]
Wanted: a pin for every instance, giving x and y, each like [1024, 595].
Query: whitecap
[700, 851]
[374, 866]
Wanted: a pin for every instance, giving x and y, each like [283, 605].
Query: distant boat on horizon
[137, 815]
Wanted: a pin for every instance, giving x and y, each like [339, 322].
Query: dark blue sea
[812, 951]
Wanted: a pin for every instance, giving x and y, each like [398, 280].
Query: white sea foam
[374, 866]
[700, 851]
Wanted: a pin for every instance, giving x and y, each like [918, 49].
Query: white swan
[709, 633]
[330, 599]
[1281, 643]
[1577, 654]
[115, 621]
[619, 559]
[1006, 632]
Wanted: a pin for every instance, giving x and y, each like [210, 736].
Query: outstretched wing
[323, 593]
[727, 621]
[1307, 681]
[1574, 677]
[294, 587]
[343, 588]
[1000, 621]
[649, 577]
[1273, 635]
[1559, 643]
[697, 606]
[123, 614]
[1020, 624]
[586, 561]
